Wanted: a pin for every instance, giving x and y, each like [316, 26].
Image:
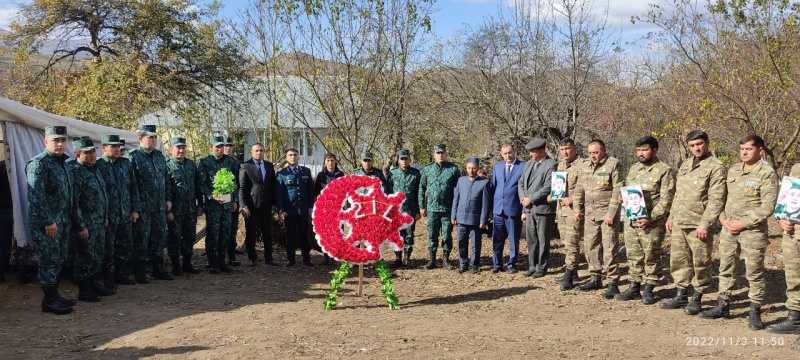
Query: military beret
[473, 159]
[366, 155]
[439, 148]
[404, 154]
[794, 184]
[636, 191]
[178, 141]
[536, 143]
[560, 176]
[149, 130]
[217, 140]
[83, 144]
[110, 140]
[55, 132]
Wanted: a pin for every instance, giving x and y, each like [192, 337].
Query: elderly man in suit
[538, 213]
[471, 215]
[506, 209]
[256, 190]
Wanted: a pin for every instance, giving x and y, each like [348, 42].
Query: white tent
[23, 138]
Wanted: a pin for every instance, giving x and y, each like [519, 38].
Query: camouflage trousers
[643, 248]
[600, 244]
[408, 237]
[89, 252]
[791, 262]
[234, 231]
[750, 244]
[110, 245]
[438, 223]
[181, 233]
[149, 235]
[690, 259]
[218, 228]
[122, 233]
[50, 252]
[570, 232]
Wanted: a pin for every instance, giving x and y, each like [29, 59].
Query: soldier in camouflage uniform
[123, 210]
[405, 179]
[182, 220]
[596, 202]
[91, 222]
[791, 267]
[752, 189]
[152, 181]
[436, 189]
[699, 199]
[367, 169]
[643, 237]
[569, 228]
[218, 214]
[52, 208]
[228, 150]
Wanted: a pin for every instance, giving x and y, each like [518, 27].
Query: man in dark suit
[294, 199]
[538, 214]
[507, 209]
[256, 189]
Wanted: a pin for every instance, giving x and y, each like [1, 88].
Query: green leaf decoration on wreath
[223, 182]
[388, 288]
[336, 285]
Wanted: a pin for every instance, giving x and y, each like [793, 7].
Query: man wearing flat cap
[538, 213]
[367, 168]
[52, 208]
[123, 211]
[152, 180]
[218, 212]
[182, 219]
[405, 179]
[228, 150]
[470, 214]
[436, 188]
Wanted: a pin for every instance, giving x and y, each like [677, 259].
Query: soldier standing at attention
[218, 214]
[436, 189]
[228, 150]
[294, 201]
[791, 263]
[182, 220]
[152, 181]
[123, 210]
[52, 207]
[405, 179]
[643, 237]
[596, 199]
[699, 199]
[752, 191]
[569, 228]
[367, 168]
[91, 222]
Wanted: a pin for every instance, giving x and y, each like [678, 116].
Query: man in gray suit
[538, 214]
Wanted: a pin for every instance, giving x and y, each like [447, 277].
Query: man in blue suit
[294, 200]
[507, 209]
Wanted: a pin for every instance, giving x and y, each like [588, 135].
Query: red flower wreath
[353, 210]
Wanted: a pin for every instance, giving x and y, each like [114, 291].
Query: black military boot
[122, 275]
[222, 265]
[407, 258]
[212, 264]
[446, 261]
[176, 265]
[695, 305]
[594, 284]
[51, 303]
[431, 261]
[647, 295]
[99, 287]
[611, 291]
[632, 293]
[86, 293]
[680, 300]
[158, 271]
[754, 319]
[566, 283]
[790, 325]
[721, 310]
[63, 300]
[141, 273]
[108, 279]
[187, 265]
[398, 262]
[559, 279]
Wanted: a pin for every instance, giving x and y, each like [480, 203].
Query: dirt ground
[276, 312]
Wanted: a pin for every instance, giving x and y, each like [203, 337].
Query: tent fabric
[23, 137]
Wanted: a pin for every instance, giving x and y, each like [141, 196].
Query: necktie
[508, 169]
[261, 170]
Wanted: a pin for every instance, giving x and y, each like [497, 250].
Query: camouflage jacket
[152, 180]
[207, 169]
[91, 195]
[699, 194]
[437, 186]
[597, 189]
[50, 191]
[185, 195]
[573, 170]
[751, 194]
[123, 194]
[658, 185]
[406, 182]
[375, 172]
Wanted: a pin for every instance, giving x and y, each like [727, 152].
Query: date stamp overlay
[741, 341]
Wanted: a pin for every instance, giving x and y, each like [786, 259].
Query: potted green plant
[224, 185]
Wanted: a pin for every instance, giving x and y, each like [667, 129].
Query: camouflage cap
[366, 155]
[534, 144]
[55, 132]
[227, 140]
[83, 144]
[473, 160]
[178, 141]
[439, 148]
[404, 154]
[217, 140]
[149, 130]
[110, 140]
